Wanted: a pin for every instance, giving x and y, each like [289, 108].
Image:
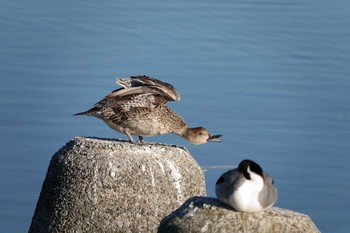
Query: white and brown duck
[140, 108]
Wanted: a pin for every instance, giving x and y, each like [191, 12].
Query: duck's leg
[141, 139]
[129, 136]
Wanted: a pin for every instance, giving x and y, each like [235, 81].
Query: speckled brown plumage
[140, 108]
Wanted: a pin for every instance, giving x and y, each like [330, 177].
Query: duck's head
[249, 167]
[200, 135]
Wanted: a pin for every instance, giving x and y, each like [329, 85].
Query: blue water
[272, 76]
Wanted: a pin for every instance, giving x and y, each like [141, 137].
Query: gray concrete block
[203, 214]
[95, 185]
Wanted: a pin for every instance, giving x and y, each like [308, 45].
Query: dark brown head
[247, 166]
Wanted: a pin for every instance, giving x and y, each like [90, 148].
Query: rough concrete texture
[203, 214]
[95, 185]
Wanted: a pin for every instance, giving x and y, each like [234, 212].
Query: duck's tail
[95, 111]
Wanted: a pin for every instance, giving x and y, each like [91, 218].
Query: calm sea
[272, 76]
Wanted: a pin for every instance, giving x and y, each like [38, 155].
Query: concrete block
[96, 185]
[203, 214]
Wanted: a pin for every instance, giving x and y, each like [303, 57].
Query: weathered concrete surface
[203, 214]
[95, 185]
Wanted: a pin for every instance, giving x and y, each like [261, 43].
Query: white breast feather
[245, 198]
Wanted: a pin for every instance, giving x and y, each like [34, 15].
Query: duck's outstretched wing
[147, 102]
[132, 103]
[144, 84]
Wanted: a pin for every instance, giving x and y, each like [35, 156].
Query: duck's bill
[214, 138]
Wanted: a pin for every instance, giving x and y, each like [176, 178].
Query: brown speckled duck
[140, 108]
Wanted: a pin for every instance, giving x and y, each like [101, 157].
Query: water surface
[272, 76]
